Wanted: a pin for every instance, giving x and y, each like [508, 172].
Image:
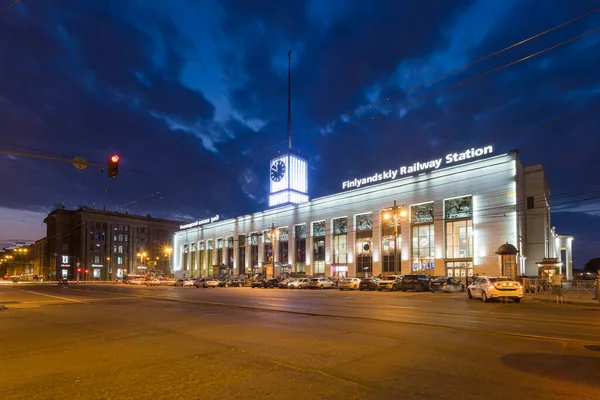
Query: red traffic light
[78, 269]
[113, 166]
[86, 271]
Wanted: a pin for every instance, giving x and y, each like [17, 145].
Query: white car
[213, 283]
[487, 288]
[349, 283]
[320, 283]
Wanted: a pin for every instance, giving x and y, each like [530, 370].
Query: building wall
[106, 244]
[492, 183]
[563, 248]
[537, 215]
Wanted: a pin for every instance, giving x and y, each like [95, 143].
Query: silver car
[299, 283]
[320, 283]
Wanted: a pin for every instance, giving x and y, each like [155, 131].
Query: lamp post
[168, 252]
[109, 268]
[141, 256]
[274, 232]
[395, 214]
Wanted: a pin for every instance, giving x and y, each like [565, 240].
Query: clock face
[277, 171]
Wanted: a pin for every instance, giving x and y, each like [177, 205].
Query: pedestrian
[556, 280]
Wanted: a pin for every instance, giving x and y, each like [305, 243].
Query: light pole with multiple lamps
[141, 255]
[395, 214]
[273, 235]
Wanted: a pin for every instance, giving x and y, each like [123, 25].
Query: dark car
[418, 282]
[446, 284]
[234, 283]
[265, 283]
[368, 283]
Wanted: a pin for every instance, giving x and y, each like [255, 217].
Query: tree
[593, 265]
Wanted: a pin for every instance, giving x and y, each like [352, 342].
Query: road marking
[420, 301]
[54, 297]
[111, 298]
[402, 307]
[400, 315]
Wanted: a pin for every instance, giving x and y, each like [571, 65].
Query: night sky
[193, 96]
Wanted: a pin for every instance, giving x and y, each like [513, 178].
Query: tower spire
[289, 122]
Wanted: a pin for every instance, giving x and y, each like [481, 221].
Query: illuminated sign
[65, 261]
[418, 167]
[200, 223]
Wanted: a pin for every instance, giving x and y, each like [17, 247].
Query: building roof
[507, 249]
[88, 210]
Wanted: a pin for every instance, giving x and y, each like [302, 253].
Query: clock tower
[288, 175]
[288, 170]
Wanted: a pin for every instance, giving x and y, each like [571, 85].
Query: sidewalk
[568, 300]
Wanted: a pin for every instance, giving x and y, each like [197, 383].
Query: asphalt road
[132, 342]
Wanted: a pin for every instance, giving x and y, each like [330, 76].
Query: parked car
[418, 282]
[391, 282]
[152, 282]
[446, 284]
[234, 283]
[265, 283]
[349, 284]
[368, 283]
[185, 282]
[200, 281]
[299, 283]
[213, 283]
[320, 283]
[495, 287]
[284, 283]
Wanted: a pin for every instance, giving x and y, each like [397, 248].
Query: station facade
[442, 217]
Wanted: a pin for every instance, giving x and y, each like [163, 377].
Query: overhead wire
[386, 99]
[8, 7]
[464, 81]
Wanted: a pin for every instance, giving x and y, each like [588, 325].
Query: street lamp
[141, 256]
[168, 252]
[274, 233]
[109, 268]
[395, 214]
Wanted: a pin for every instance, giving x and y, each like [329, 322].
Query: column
[439, 239]
[328, 247]
[376, 240]
[351, 243]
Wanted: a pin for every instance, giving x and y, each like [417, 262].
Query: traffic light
[113, 166]
[78, 269]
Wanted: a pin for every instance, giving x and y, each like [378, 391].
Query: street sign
[78, 264]
[80, 163]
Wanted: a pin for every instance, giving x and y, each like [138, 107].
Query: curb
[592, 303]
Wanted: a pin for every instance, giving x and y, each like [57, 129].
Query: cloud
[193, 95]
[21, 225]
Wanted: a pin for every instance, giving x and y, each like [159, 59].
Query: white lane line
[419, 301]
[402, 307]
[400, 315]
[54, 297]
[112, 298]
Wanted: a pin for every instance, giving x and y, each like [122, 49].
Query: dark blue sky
[193, 96]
